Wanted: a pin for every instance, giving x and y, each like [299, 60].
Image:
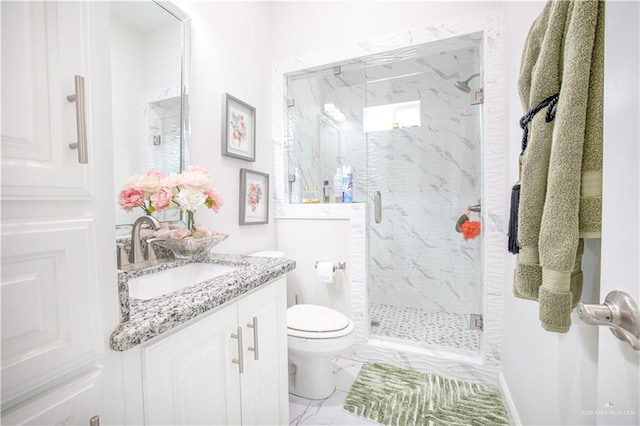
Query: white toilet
[315, 334]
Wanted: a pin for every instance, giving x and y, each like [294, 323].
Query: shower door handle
[377, 206]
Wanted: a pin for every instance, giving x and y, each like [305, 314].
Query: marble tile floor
[329, 411]
[444, 329]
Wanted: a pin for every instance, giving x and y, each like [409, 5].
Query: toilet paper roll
[324, 270]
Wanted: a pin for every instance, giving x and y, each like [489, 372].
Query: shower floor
[445, 329]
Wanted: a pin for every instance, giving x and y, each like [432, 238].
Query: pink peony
[196, 177]
[162, 198]
[149, 182]
[215, 201]
[172, 181]
[130, 198]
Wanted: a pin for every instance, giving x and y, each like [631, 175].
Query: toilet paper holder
[336, 266]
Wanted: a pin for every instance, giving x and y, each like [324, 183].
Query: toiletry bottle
[337, 186]
[315, 195]
[326, 192]
[296, 188]
[347, 185]
[306, 195]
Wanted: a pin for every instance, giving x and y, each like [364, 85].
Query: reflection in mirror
[149, 66]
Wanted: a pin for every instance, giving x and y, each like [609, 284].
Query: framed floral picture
[238, 129]
[254, 197]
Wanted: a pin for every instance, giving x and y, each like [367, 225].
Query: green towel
[561, 183]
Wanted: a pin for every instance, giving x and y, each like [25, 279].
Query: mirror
[149, 70]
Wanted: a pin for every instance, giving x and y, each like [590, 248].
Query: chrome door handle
[619, 312]
[254, 348]
[239, 360]
[377, 206]
[81, 123]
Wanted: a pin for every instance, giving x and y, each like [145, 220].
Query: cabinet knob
[94, 421]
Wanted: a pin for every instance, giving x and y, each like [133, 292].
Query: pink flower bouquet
[188, 191]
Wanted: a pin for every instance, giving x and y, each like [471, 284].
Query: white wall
[551, 377]
[301, 27]
[231, 52]
[303, 285]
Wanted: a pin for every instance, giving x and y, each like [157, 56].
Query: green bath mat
[396, 396]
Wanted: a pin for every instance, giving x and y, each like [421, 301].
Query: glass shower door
[324, 128]
[423, 170]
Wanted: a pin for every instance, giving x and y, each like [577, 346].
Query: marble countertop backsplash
[142, 320]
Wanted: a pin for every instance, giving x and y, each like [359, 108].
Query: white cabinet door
[70, 404]
[56, 219]
[189, 378]
[50, 318]
[264, 382]
[44, 45]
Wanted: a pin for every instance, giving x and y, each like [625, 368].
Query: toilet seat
[317, 322]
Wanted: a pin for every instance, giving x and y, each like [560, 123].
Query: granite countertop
[143, 320]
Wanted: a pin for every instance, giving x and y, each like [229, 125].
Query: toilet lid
[315, 318]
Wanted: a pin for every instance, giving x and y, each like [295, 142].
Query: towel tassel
[549, 103]
[513, 245]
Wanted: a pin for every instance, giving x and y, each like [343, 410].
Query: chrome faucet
[136, 259]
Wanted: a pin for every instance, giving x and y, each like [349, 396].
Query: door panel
[47, 46]
[49, 302]
[71, 404]
[618, 364]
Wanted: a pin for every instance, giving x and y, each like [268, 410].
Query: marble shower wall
[427, 175]
[490, 24]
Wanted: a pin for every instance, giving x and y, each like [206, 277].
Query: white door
[264, 383]
[618, 364]
[58, 257]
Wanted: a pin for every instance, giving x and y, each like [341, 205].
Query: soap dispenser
[347, 184]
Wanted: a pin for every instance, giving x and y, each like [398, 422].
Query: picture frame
[238, 129]
[254, 197]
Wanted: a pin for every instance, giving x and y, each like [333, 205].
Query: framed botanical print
[238, 129]
[254, 197]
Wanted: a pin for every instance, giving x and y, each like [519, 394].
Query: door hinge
[477, 96]
[476, 322]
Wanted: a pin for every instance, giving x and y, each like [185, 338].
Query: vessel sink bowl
[164, 282]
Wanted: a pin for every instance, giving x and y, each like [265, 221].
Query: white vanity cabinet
[228, 367]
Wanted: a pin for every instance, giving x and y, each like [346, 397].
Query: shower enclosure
[408, 123]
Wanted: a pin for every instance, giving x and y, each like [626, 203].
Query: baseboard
[506, 397]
